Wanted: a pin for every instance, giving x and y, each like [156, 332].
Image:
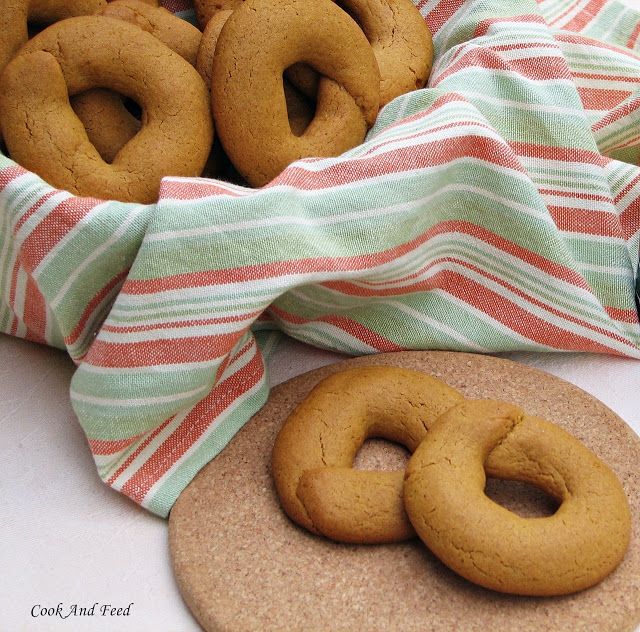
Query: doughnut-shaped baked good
[398, 34]
[212, 14]
[247, 94]
[444, 497]
[314, 451]
[108, 123]
[300, 112]
[14, 15]
[43, 134]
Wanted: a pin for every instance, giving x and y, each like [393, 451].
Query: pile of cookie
[440, 497]
[106, 98]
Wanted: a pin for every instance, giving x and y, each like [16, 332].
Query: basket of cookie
[182, 183]
[65, 118]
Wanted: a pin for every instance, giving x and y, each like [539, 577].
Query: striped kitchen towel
[498, 209]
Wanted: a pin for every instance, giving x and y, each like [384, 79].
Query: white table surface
[67, 538]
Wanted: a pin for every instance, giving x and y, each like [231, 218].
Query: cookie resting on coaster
[575, 548]
[442, 491]
[313, 454]
[228, 527]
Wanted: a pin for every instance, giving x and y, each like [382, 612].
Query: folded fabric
[498, 209]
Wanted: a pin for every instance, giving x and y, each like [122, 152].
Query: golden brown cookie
[247, 94]
[314, 451]
[299, 110]
[401, 42]
[14, 15]
[108, 123]
[206, 9]
[180, 36]
[44, 135]
[575, 548]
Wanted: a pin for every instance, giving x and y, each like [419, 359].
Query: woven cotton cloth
[497, 209]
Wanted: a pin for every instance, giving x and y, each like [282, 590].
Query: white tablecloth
[67, 538]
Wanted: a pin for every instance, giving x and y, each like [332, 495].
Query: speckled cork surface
[241, 565]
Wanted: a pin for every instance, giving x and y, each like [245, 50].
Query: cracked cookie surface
[401, 42]
[109, 124]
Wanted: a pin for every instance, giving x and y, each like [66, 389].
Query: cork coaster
[242, 565]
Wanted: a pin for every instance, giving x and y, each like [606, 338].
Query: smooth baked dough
[247, 93]
[44, 135]
[575, 548]
[314, 451]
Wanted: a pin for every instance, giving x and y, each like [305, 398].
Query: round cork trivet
[242, 565]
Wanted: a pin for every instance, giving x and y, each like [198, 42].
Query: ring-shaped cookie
[398, 34]
[247, 91]
[108, 123]
[575, 548]
[299, 110]
[212, 14]
[315, 448]
[401, 42]
[43, 134]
